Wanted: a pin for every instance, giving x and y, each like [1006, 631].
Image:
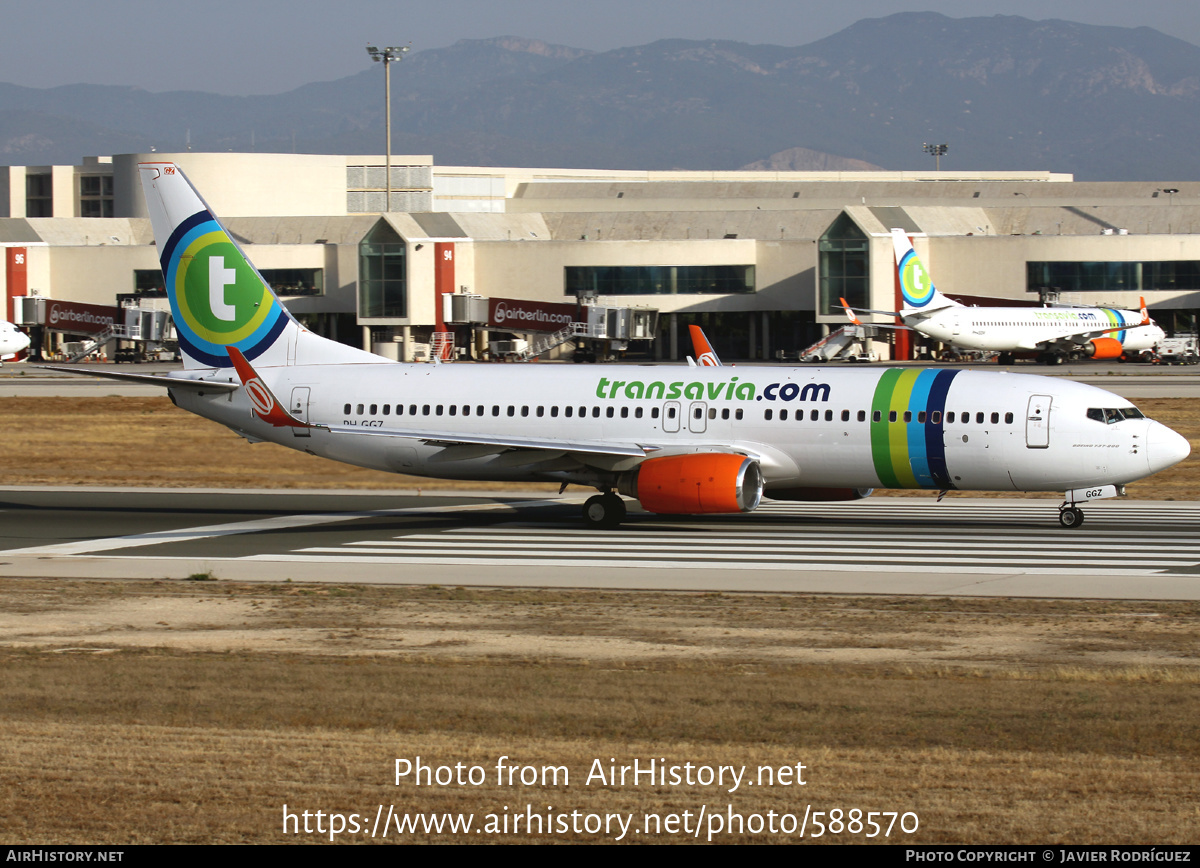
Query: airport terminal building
[759, 259]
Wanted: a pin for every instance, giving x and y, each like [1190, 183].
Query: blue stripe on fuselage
[935, 441]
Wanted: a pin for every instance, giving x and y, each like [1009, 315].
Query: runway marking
[1110, 547]
[83, 547]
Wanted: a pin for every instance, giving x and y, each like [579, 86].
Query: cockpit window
[1112, 415]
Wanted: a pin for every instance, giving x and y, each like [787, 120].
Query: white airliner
[1052, 333]
[679, 440]
[12, 341]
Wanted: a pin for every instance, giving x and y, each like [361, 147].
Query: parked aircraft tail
[920, 295]
[706, 356]
[217, 296]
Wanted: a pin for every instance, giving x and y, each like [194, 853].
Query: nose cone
[1165, 447]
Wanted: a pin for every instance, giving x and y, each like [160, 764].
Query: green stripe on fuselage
[889, 440]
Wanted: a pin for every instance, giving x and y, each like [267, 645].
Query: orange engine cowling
[1103, 348]
[698, 483]
[819, 494]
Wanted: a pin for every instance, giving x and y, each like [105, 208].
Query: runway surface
[971, 547]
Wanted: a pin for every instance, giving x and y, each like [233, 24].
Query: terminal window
[659, 279]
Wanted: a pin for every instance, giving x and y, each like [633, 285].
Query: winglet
[850, 312]
[706, 357]
[266, 406]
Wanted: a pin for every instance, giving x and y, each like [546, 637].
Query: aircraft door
[299, 409]
[698, 417]
[1037, 422]
[671, 417]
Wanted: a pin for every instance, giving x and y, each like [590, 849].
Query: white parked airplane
[1053, 333]
[12, 341]
[680, 440]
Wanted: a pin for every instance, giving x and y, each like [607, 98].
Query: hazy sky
[270, 46]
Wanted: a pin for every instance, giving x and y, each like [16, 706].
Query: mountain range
[1004, 92]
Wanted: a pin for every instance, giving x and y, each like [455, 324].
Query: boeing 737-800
[679, 440]
[1053, 333]
[11, 341]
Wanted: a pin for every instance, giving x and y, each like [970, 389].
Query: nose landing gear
[1070, 516]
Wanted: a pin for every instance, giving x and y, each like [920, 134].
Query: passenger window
[814, 415]
[608, 411]
[725, 413]
[553, 412]
[783, 414]
[495, 409]
[979, 418]
[374, 409]
[828, 415]
[387, 409]
[654, 413]
[637, 413]
[862, 415]
[412, 409]
[877, 416]
[845, 415]
[995, 418]
[478, 409]
[936, 418]
[466, 410]
[359, 409]
[891, 415]
[596, 412]
[1008, 418]
[712, 413]
[950, 417]
[438, 409]
[907, 416]
[568, 411]
[541, 411]
[670, 412]
[624, 412]
[512, 411]
[424, 409]
[346, 410]
[524, 411]
[921, 418]
[767, 415]
[737, 414]
[453, 410]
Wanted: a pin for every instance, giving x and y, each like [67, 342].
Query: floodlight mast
[936, 151]
[387, 55]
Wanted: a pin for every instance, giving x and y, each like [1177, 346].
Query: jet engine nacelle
[698, 483]
[819, 494]
[1103, 348]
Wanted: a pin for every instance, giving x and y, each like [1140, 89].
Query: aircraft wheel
[604, 511]
[1070, 517]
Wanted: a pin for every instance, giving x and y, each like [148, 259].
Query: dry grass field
[145, 712]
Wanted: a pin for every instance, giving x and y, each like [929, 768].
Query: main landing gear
[604, 510]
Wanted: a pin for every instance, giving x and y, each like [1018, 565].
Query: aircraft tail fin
[1144, 311]
[706, 357]
[920, 295]
[218, 298]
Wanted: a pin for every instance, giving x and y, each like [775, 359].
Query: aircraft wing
[455, 438]
[149, 379]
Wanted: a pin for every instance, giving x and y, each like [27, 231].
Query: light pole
[936, 151]
[387, 55]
